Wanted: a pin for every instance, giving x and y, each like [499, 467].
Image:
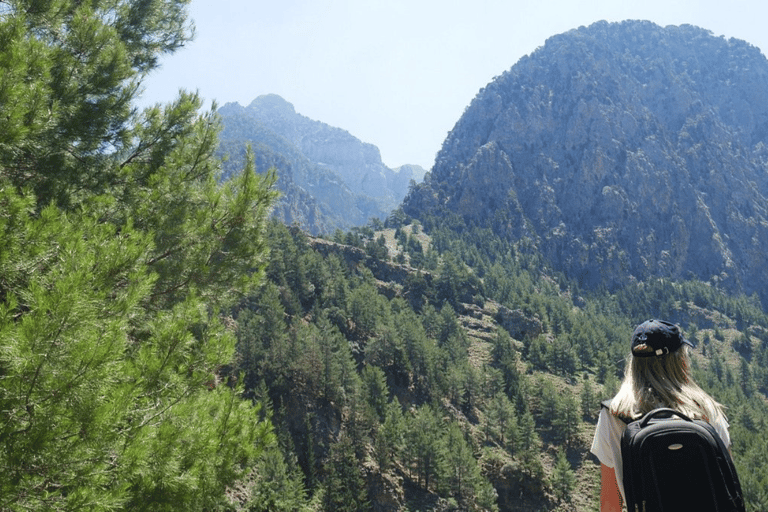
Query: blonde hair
[664, 381]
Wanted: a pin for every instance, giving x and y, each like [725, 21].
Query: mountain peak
[329, 178]
[272, 105]
[620, 151]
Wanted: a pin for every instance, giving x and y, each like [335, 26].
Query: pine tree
[119, 249]
[530, 445]
[563, 478]
[92, 405]
[374, 383]
[389, 439]
[459, 468]
[746, 380]
[273, 486]
[566, 422]
[425, 444]
[262, 339]
[589, 402]
[507, 358]
[70, 72]
[502, 422]
[344, 486]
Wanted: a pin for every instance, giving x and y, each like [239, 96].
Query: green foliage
[560, 410]
[530, 446]
[568, 420]
[424, 444]
[460, 470]
[376, 391]
[424, 400]
[588, 398]
[389, 441]
[273, 486]
[563, 478]
[344, 487]
[501, 422]
[91, 415]
[74, 69]
[118, 250]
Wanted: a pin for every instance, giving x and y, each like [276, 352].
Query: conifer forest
[166, 343]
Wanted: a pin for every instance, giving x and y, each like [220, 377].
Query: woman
[657, 375]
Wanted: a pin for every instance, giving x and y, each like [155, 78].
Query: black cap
[656, 338]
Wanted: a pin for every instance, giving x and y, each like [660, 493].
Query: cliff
[619, 151]
[329, 178]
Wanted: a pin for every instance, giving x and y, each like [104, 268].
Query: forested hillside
[163, 346]
[433, 367]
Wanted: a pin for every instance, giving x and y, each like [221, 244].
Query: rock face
[519, 325]
[620, 151]
[329, 178]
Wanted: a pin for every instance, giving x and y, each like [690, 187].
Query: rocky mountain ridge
[329, 178]
[620, 151]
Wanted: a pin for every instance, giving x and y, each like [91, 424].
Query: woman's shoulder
[615, 410]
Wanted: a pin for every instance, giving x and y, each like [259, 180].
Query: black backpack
[673, 465]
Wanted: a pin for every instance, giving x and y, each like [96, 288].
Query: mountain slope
[621, 151]
[392, 380]
[329, 178]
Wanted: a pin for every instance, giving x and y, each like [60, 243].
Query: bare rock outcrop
[519, 325]
[325, 169]
[620, 152]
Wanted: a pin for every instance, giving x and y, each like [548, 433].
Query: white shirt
[606, 444]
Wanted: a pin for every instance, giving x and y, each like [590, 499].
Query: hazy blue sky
[397, 73]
